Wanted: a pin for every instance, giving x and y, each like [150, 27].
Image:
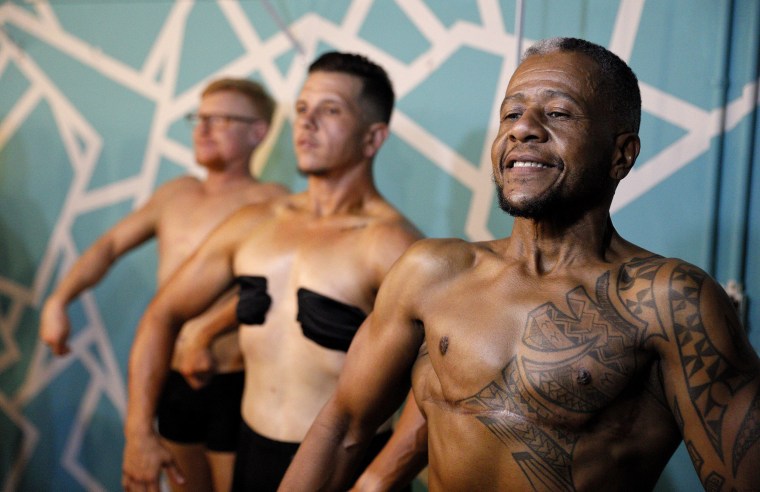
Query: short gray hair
[618, 84]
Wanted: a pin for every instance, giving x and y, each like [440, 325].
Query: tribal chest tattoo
[578, 361]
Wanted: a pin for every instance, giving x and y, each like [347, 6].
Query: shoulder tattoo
[579, 361]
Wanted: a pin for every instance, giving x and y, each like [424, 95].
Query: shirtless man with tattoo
[309, 266]
[232, 120]
[563, 357]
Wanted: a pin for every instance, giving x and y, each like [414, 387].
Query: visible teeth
[528, 164]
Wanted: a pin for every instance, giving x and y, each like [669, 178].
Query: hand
[144, 457]
[194, 361]
[55, 327]
[368, 482]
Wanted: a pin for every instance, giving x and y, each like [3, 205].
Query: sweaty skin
[561, 358]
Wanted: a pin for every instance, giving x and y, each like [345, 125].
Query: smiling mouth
[528, 164]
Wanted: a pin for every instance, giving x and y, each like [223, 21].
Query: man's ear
[258, 131]
[376, 134]
[627, 147]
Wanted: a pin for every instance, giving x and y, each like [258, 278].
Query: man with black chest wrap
[308, 266]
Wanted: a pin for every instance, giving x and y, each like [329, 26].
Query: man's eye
[512, 116]
[557, 114]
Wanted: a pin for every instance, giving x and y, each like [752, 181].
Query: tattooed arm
[711, 377]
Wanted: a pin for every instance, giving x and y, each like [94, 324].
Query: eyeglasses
[217, 121]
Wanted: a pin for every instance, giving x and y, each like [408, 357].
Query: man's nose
[529, 126]
[307, 118]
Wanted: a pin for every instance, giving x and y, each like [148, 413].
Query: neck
[341, 193]
[222, 179]
[549, 246]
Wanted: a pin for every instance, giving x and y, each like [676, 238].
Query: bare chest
[553, 355]
[192, 215]
[543, 382]
[324, 257]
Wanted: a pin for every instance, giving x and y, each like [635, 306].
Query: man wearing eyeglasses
[199, 426]
[308, 266]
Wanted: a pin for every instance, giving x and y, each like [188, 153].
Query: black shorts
[261, 462]
[209, 416]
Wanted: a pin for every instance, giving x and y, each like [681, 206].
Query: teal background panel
[32, 195]
[114, 31]
[403, 40]
[450, 103]
[201, 56]
[92, 95]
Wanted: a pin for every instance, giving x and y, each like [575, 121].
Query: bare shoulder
[255, 212]
[677, 299]
[427, 266]
[385, 236]
[180, 186]
[393, 229]
[437, 260]
[266, 190]
[170, 195]
[690, 292]
[667, 277]
[387, 219]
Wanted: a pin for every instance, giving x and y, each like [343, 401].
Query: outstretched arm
[133, 230]
[712, 379]
[191, 290]
[403, 457]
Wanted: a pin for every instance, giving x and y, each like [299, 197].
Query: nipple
[583, 377]
[443, 345]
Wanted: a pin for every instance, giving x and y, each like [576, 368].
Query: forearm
[403, 458]
[87, 271]
[214, 322]
[149, 364]
[327, 458]
[371, 387]
[144, 456]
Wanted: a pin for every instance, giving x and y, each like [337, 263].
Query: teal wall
[92, 94]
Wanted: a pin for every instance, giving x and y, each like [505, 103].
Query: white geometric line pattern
[157, 82]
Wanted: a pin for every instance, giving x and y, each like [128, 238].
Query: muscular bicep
[711, 376]
[376, 376]
[377, 372]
